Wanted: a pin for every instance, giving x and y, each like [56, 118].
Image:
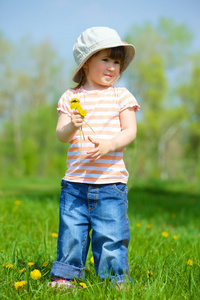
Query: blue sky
[61, 21]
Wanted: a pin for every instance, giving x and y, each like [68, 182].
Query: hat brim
[129, 56]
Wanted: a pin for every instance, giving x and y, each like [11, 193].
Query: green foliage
[189, 94]
[159, 264]
[41, 153]
[162, 56]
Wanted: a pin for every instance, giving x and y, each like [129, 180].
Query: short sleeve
[64, 104]
[126, 100]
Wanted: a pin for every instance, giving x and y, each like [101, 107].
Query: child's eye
[117, 62]
[105, 59]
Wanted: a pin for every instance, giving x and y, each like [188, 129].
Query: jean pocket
[120, 188]
[64, 184]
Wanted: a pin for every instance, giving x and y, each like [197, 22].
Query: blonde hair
[116, 53]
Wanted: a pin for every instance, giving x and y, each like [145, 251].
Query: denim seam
[93, 207]
[120, 191]
[96, 197]
[82, 265]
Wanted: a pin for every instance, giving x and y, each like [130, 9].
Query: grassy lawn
[164, 251]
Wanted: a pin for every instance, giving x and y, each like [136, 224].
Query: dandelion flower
[92, 259]
[75, 106]
[20, 284]
[2, 251]
[35, 274]
[17, 202]
[175, 237]
[83, 285]
[30, 264]
[150, 273]
[74, 100]
[82, 112]
[165, 234]
[22, 270]
[189, 262]
[45, 264]
[9, 266]
[148, 226]
[54, 234]
[138, 225]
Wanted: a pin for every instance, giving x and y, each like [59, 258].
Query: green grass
[158, 265]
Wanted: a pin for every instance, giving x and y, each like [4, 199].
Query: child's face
[101, 71]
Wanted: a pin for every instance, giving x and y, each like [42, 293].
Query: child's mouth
[109, 76]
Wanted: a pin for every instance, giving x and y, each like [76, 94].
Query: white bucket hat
[95, 39]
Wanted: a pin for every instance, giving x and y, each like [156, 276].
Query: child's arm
[120, 141]
[67, 127]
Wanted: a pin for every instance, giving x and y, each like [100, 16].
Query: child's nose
[111, 66]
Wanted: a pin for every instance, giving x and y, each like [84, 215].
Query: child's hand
[76, 119]
[101, 148]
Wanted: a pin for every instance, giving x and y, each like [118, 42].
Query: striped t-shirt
[103, 108]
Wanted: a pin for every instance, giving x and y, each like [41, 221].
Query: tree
[160, 52]
[190, 95]
[43, 154]
[32, 76]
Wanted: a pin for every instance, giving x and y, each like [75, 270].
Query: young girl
[93, 190]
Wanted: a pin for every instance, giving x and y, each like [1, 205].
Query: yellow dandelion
[92, 259]
[78, 107]
[189, 262]
[20, 284]
[22, 270]
[30, 264]
[138, 225]
[45, 264]
[82, 112]
[2, 251]
[35, 274]
[165, 234]
[75, 106]
[9, 266]
[74, 100]
[150, 273]
[54, 234]
[175, 237]
[148, 226]
[83, 285]
[17, 202]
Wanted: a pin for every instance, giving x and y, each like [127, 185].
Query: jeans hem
[120, 279]
[66, 271]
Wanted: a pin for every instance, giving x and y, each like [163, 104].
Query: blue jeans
[102, 208]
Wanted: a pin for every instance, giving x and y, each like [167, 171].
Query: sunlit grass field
[164, 251]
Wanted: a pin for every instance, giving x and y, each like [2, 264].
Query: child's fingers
[95, 142]
[75, 112]
[76, 119]
[93, 157]
[92, 151]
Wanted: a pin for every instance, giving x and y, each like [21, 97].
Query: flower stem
[82, 133]
[88, 125]
[80, 143]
